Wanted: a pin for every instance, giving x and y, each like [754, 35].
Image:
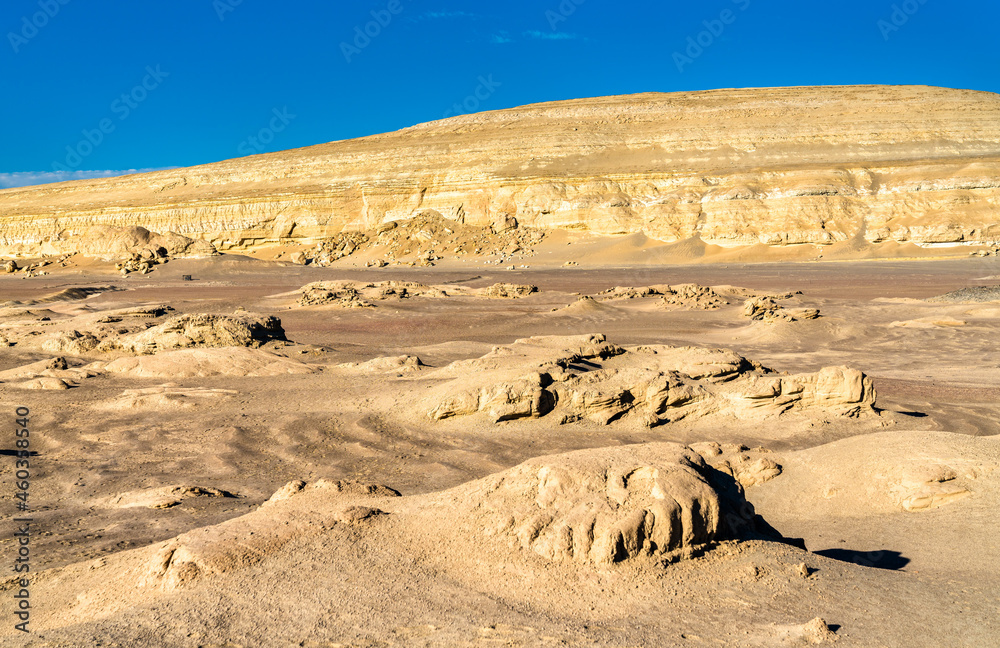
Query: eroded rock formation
[606, 506]
[124, 331]
[585, 377]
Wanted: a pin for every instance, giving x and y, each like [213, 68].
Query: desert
[587, 373]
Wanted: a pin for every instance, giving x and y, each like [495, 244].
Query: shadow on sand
[892, 560]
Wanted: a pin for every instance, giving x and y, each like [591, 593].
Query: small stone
[817, 632]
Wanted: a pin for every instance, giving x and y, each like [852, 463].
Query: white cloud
[501, 38]
[540, 35]
[437, 15]
[30, 178]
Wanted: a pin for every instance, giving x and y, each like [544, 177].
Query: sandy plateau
[489, 427]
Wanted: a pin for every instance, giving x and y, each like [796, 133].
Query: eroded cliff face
[735, 167]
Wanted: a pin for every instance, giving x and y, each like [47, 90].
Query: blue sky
[106, 88]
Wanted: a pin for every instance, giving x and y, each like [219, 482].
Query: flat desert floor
[771, 454]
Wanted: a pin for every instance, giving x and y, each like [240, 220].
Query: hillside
[734, 167]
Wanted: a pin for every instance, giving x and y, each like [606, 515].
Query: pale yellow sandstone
[733, 167]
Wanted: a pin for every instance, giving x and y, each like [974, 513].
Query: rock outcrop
[356, 294]
[606, 506]
[117, 331]
[733, 167]
[509, 291]
[360, 294]
[690, 296]
[200, 330]
[585, 377]
[767, 309]
[425, 238]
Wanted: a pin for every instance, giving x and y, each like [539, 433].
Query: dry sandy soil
[780, 454]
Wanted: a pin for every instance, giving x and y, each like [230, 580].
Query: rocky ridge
[782, 166]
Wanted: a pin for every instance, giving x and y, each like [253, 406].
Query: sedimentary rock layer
[735, 167]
